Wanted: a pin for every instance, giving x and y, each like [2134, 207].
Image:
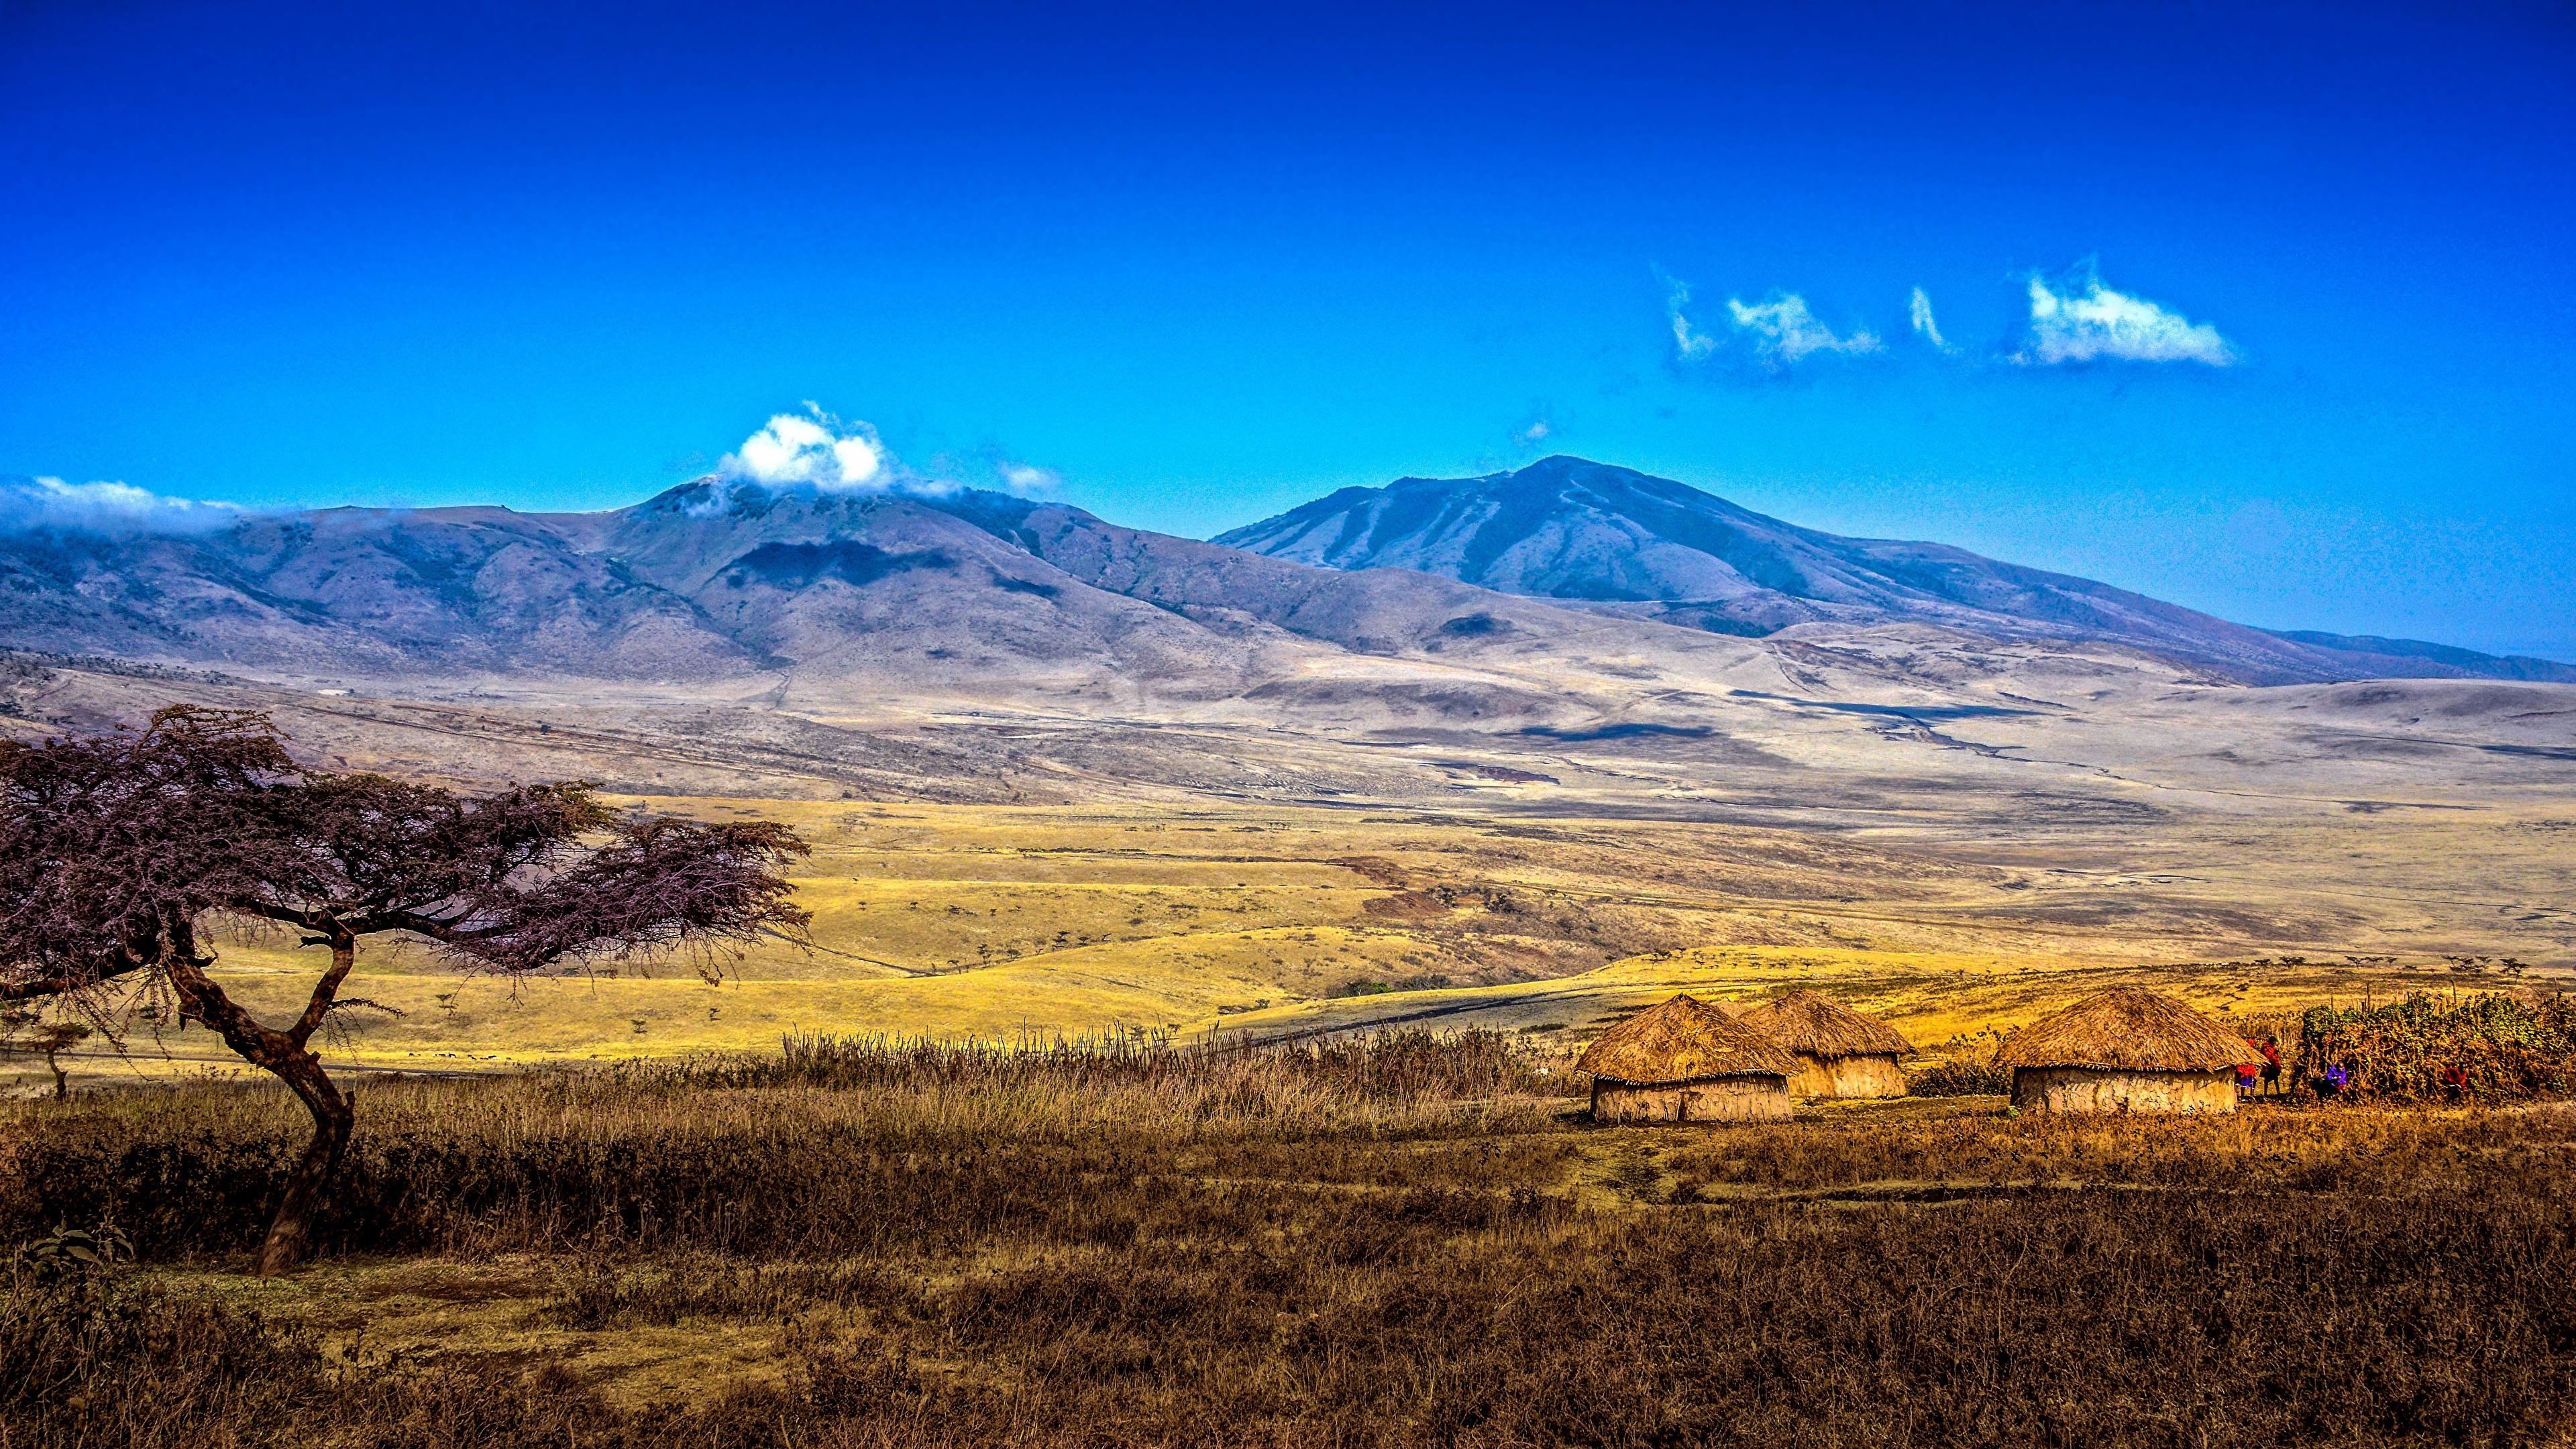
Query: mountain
[1478, 599]
[363, 590]
[968, 596]
[2468, 662]
[1618, 541]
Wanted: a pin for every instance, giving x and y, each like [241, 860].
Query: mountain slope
[1228, 588]
[889, 587]
[863, 597]
[969, 596]
[701, 582]
[1616, 540]
[454, 590]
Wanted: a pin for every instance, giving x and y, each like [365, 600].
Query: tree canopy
[114, 848]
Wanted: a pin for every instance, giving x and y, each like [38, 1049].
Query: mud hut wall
[1876, 1075]
[1729, 1099]
[2090, 1089]
[1814, 1077]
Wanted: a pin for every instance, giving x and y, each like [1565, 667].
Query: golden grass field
[508, 1303]
[1043, 1251]
[1038, 922]
[1257, 1248]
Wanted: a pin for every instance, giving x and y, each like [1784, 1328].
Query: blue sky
[1196, 265]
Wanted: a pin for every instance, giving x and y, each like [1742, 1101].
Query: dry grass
[1405, 1242]
[2127, 1028]
[1683, 1039]
[992, 922]
[1816, 1024]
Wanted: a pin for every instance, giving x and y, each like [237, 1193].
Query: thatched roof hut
[1840, 1052]
[1687, 1061]
[2125, 1050]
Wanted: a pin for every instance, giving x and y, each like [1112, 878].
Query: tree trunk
[62, 1080]
[290, 1233]
[282, 1055]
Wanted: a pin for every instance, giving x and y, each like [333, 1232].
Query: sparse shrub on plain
[117, 851]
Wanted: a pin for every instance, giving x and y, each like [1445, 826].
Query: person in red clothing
[2271, 1050]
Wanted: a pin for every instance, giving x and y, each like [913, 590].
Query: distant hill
[2468, 662]
[960, 594]
[1620, 541]
[365, 590]
[1563, 566]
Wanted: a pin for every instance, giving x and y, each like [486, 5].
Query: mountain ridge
[964, 596]
[952, 594]
[1615, 540]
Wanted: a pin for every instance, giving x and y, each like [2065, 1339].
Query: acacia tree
[31, 1035]
[114, 850]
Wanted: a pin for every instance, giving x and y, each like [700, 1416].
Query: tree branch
[285, 915]
[344, 955]
[30, 988]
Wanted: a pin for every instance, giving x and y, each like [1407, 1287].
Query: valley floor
[605, 1208]
[1195, 920]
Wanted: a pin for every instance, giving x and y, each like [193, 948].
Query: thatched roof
[1684, 1040]
[2127, 1028]
[1820, 1026]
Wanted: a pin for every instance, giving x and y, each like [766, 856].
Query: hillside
[1625, 542]
[966, 596]
[973, 595]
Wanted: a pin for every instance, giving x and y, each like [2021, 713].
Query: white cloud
[1028, 480]
[1919, 311]
[2078, 320]
[1689, 341]
[1535, 433]
[817, 451]
[1778, 331]
[1784, 332]
[37, 505]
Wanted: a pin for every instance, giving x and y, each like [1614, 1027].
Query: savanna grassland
[996, 922]
[1315, 1170]
[1409, 1239]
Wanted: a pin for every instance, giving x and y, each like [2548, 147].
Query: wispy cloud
[1029, 480]
[1919, 313]
[50, 505]
[1689, 341]
[1778, 332]
[2077, 320]
[1783, 331]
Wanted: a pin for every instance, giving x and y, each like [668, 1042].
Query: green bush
[2501, 1047]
